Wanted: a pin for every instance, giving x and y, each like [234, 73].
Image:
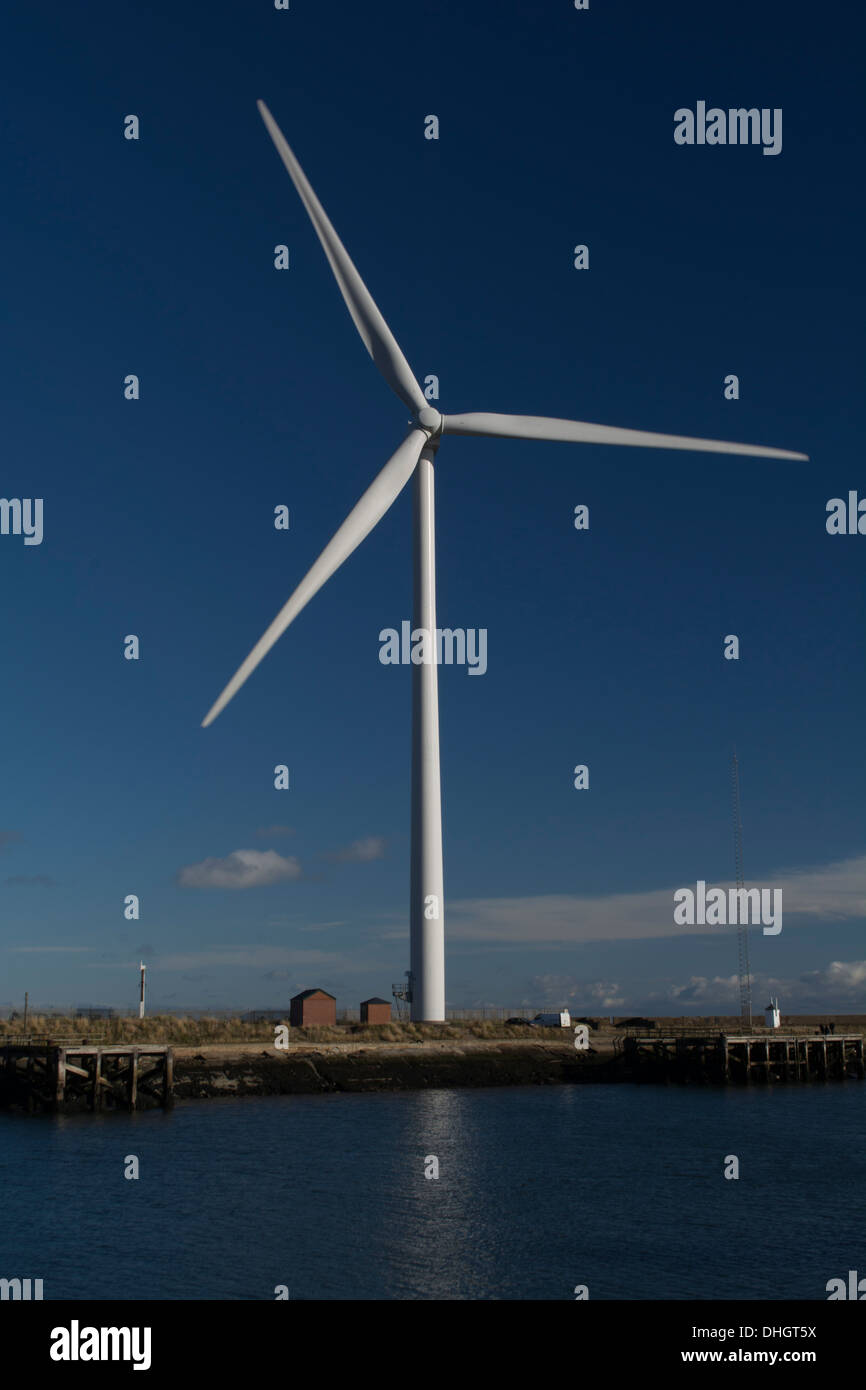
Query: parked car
[561, 1019]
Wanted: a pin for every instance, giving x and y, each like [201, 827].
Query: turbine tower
[416, 456]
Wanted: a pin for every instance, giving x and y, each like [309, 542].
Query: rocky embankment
[249, 1071]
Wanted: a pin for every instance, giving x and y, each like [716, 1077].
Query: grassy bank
[190, 1032]
[196, 1032]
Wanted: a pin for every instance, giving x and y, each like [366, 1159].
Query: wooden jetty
[743, 1058]
[58, 1074]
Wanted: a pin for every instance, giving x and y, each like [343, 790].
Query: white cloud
[843, 982]
[834, 892]
[557, 990]
[724, 989]
[243, 868]
[846, 974]
[841, 987]
[606, 994]
[361, 851]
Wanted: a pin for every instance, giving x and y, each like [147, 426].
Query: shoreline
[208, 1073]
[361, 1067]
[65, 1077]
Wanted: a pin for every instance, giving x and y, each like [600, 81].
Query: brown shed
[311, 1008]
[375, 1011]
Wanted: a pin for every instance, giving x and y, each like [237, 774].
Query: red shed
[312, 1008]
[375, 1011]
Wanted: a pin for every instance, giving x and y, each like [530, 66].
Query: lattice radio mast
[745, 972]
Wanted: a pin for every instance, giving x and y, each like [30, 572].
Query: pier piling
[744, 1059]
[52, 1074]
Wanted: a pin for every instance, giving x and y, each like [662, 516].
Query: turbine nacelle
[430, 421]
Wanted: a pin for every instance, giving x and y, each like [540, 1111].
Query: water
[541, 1189]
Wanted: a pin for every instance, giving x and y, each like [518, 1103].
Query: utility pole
[142, 968]
[26, 1005]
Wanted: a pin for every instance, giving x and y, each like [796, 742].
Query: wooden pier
[744, 1059]
[61, 1074]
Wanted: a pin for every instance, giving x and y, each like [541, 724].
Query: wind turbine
[415, 456]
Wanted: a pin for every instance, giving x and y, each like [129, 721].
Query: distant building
[772, 1017]
[265, 1016]
[375, 1011]
[312, 1008]
[94, 1011]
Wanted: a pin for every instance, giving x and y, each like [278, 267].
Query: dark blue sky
[155, 257]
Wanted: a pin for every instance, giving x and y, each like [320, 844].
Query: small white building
[772, 1017]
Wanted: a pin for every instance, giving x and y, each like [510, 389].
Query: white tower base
[426, 901]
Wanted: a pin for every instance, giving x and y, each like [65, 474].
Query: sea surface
[540, 1190]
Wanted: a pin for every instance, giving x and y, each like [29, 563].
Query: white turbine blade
[378, 338]
[579, 432]
[381, 493]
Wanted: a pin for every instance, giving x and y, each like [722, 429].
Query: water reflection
[539, 1189]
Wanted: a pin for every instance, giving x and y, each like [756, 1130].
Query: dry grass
[419, 1032]
[190, 1032]
[157, 1028]
[168, 1028]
